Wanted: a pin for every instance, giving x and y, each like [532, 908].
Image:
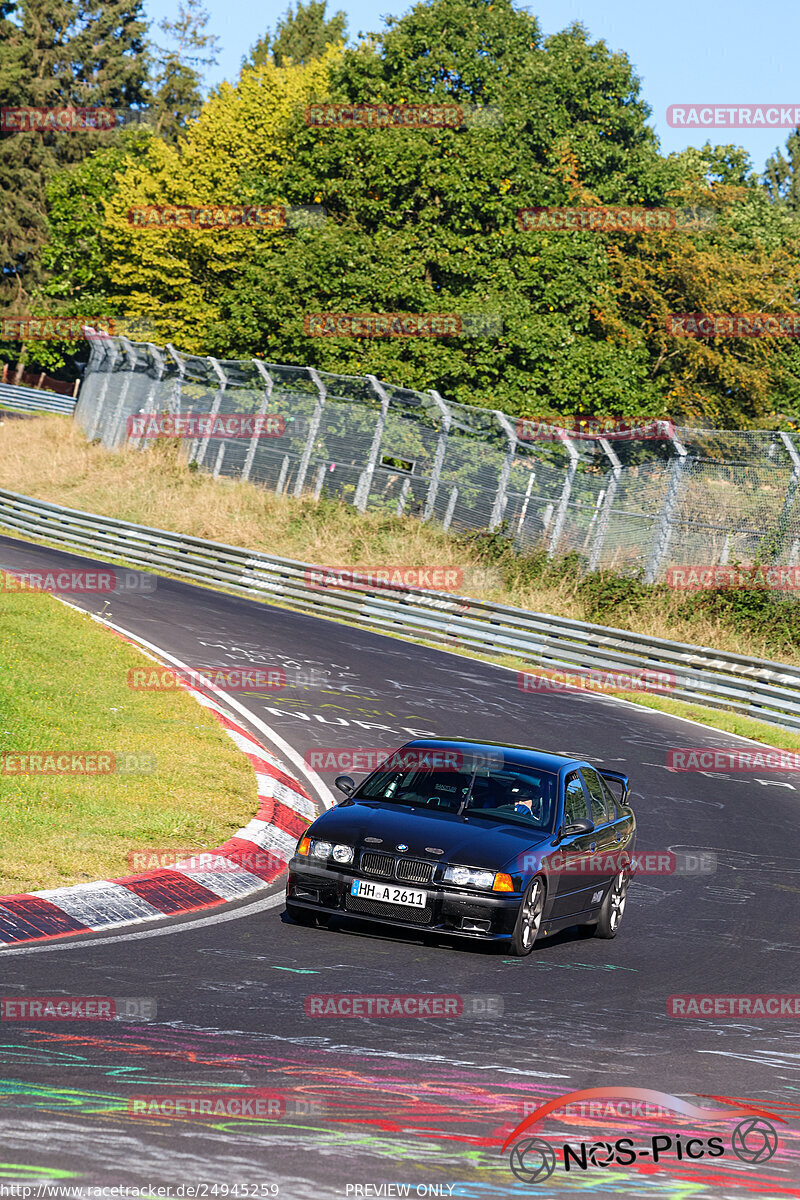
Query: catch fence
[702, 497]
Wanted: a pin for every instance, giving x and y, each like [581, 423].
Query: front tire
[529, 919]
[612, 908]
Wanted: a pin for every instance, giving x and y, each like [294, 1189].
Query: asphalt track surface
[420, 1101]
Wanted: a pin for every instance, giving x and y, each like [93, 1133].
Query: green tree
[782, 175]
[177, 84]
[300, 36]
[56, 53]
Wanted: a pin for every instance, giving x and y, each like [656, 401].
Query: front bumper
[325, 890]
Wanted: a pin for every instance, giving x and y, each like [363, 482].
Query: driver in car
[527, 800]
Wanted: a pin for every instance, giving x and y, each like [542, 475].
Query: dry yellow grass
[49, 458]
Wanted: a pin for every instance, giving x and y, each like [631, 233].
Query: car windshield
[499, 794]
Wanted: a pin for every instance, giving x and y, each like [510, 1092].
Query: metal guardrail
[767, 691]
[23, 399]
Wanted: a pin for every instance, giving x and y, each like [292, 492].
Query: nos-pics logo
[533, 1159]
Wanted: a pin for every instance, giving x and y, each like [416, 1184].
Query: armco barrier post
[601, 529]
[262, 409]
[664, 528]
[365, 482]
[438, 458]
[505, 471]
[313, 430]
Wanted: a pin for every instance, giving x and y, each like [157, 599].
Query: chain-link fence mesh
[703, 497]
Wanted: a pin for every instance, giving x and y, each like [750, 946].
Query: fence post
[664, 528]
[451, 507]
[313, 430]
[130, 368]
[566, 490]
[111, 354]
[601, 528]
[220, 392]
[262, 409]
[791, 493]
[526, 501]
[177, 391]
[438, 458]
[405, 488]
[365, 482]
[149, 405]
[505, 471]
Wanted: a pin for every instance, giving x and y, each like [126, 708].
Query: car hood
[469, 841]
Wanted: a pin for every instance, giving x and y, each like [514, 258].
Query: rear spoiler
[619, 778]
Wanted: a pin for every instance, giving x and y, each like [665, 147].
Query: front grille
[414, 870]
[377, 864]
[378, 908]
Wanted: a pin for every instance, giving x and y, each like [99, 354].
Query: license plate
[389, 893]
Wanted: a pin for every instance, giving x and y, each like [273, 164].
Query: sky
[684, 51]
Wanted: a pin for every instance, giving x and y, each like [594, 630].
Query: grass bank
[50, 458]
[178, 782]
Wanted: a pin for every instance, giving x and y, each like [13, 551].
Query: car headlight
[469, 877]
[324, 850]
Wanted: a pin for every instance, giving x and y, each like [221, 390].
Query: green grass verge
[63, 687]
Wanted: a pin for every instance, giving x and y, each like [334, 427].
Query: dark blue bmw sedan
[498, 843]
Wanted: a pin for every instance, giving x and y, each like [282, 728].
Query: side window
[611, 801]
[596, 795]
[574, 800]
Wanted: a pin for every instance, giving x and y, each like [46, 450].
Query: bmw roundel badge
[402, 847]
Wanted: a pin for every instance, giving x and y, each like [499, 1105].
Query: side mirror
[582, 826]
[345, 784]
